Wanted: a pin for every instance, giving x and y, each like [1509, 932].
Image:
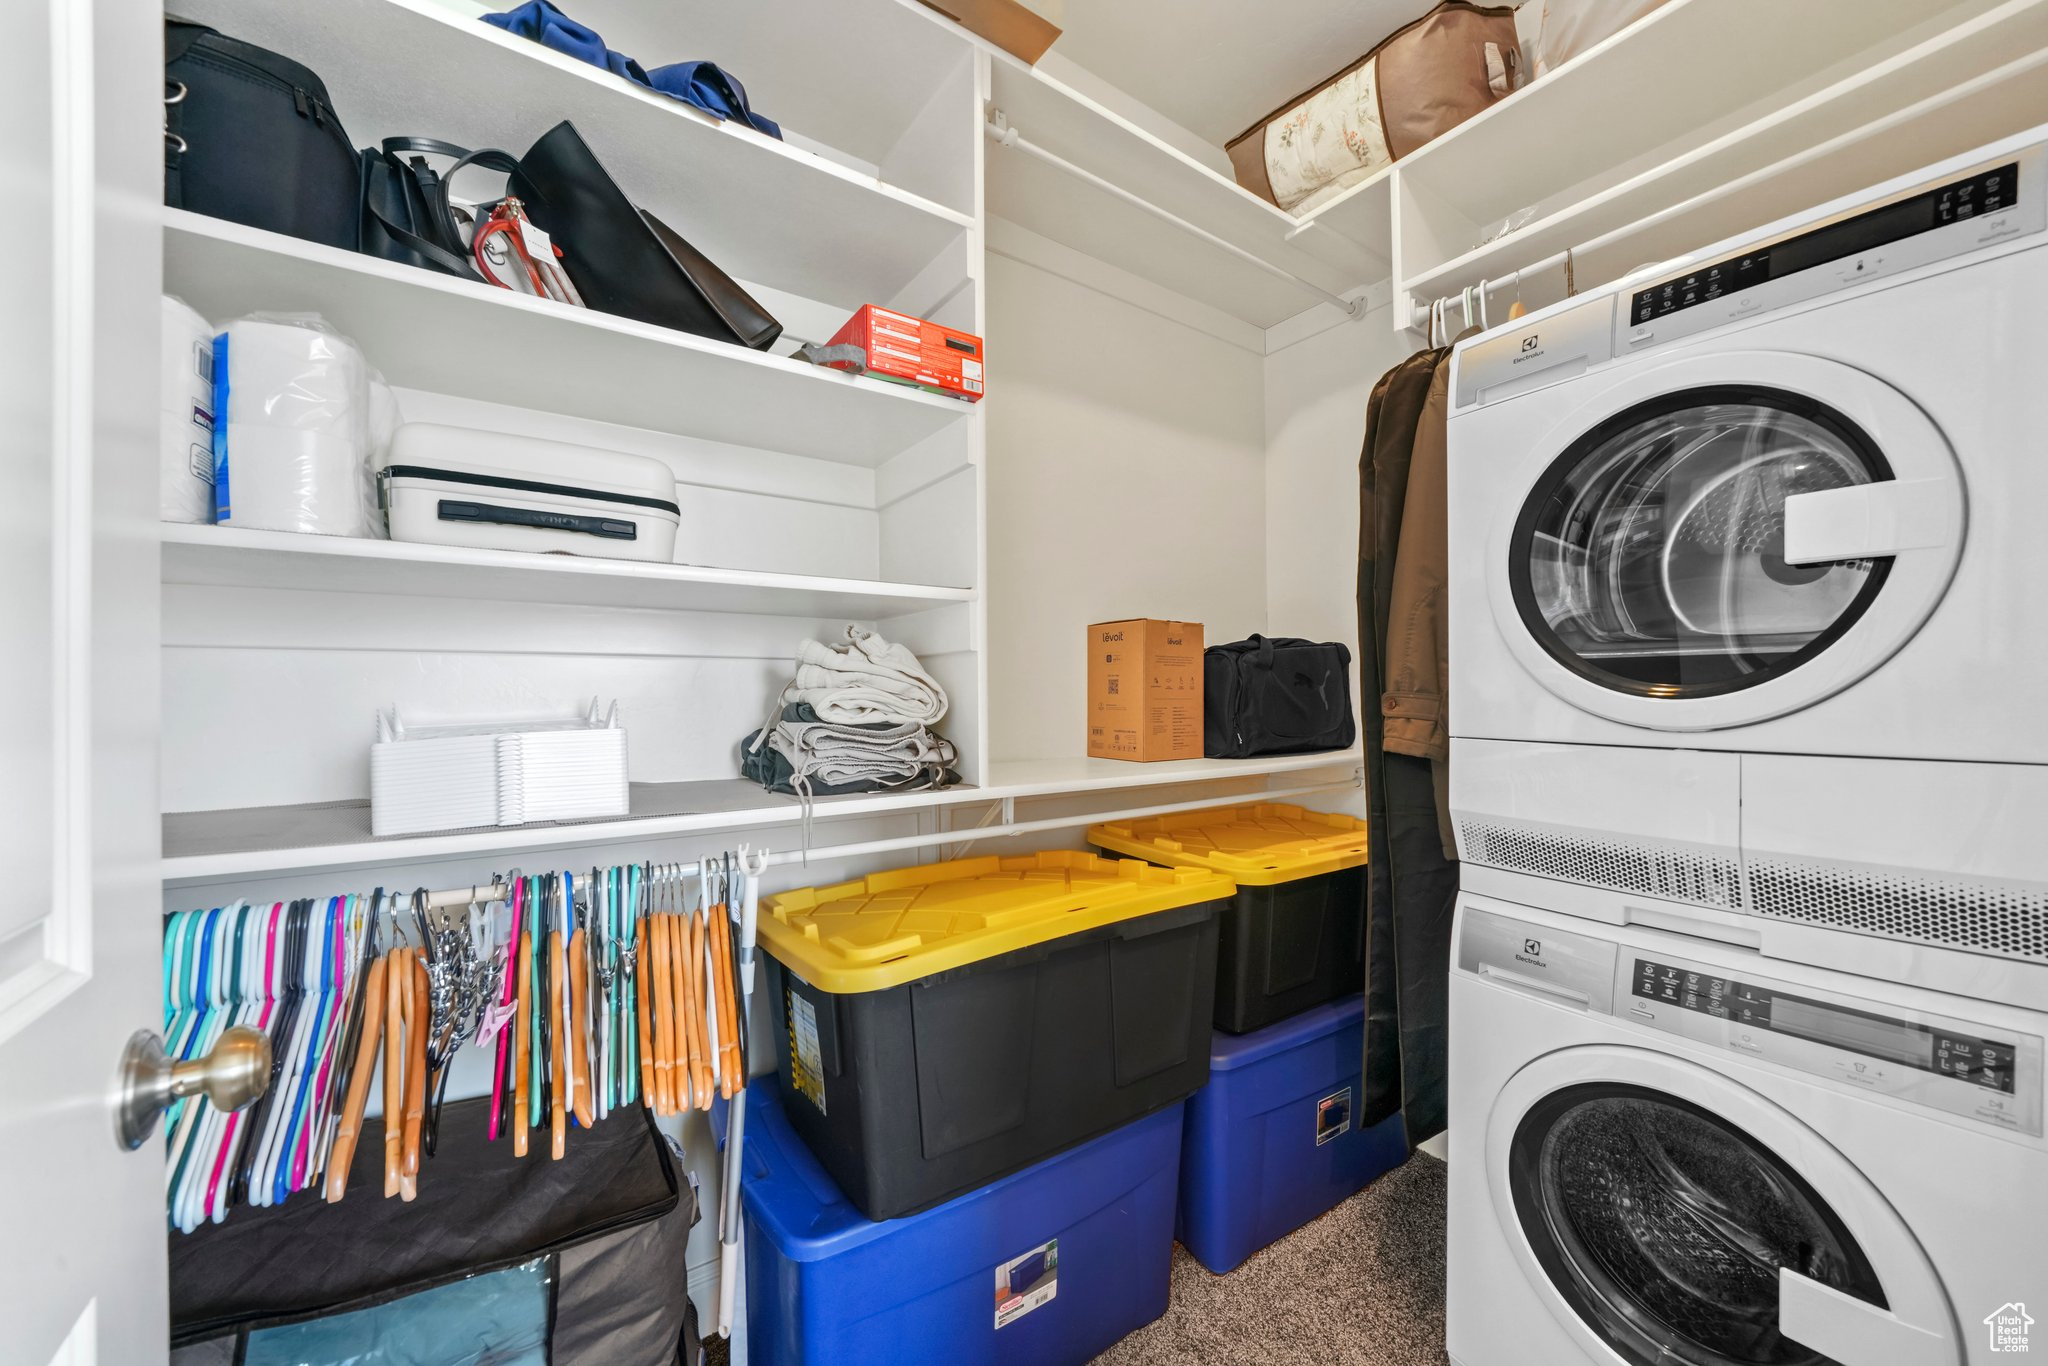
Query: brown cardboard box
[1007, 24]
[1145, 690]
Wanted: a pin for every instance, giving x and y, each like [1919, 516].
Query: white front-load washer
[1749, 594]
[1671, 1152]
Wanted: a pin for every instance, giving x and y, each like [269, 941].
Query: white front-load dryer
[1669, 1152]
[1749, 597]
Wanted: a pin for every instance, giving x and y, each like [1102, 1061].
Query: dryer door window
[1664, 1226]
[1650, 556]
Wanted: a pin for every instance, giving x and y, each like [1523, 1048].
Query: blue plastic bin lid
[1231, 1051]
[809, 1219]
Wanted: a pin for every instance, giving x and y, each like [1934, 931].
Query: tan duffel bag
[1424, 79]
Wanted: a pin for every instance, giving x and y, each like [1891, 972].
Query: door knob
[235, 1073]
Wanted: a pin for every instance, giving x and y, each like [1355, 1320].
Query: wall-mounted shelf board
[1344, 254]
[202, 846]
[1983, 79]
[430, 331]
[764, 210]
[1655, 84]
[231, 557]
[1049, 777]
[208, 845]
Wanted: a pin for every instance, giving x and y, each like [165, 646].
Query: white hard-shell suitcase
[454, 486]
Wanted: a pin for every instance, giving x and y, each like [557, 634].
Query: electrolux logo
[1532, 953]
[2008, 1325]
[1529, 342]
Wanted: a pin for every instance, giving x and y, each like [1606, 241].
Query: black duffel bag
[249, 136]
[1287, 696]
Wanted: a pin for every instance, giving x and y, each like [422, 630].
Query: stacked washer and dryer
[1749, 707]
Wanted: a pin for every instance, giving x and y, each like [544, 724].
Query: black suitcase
[250, 136]
[1286, 696]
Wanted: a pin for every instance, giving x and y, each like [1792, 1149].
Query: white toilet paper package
[299, 421]
[185, 415]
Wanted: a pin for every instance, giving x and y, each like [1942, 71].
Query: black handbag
[624, 260]
[1262, 696]
[249, 136]
[406, 215]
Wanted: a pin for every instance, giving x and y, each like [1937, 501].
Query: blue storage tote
[1272, 1141]
[1048, 1265]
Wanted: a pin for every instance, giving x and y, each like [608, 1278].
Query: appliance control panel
[1978, 207]
[1981, 1073]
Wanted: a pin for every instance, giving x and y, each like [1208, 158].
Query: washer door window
[1650, 558]
[1664, 1226]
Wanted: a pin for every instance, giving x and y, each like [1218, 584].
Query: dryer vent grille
[1673, 873]
[1989, 917]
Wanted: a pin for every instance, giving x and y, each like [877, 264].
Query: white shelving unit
[811, 498]
[464, 338]
[771, 213]
[226, 557]
[207, 846]
[1345, 252]
[1700, 94]
[1718, 145]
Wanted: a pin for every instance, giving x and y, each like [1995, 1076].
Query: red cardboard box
[913, 351]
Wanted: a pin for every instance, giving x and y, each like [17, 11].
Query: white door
[82, 1258]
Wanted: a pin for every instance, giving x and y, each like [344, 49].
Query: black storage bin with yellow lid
[946, 1025]
[1293, 937]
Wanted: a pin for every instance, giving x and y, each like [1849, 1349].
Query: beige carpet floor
[1361, 1286]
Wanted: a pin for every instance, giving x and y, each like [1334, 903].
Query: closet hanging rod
[1820, 151]
[463, 896]
[1000, 128]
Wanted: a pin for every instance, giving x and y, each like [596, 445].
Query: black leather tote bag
[250, 137]
[1286, 696]
[406, 215]
[624, 260]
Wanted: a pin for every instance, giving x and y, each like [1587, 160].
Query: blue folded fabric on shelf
[702, 85]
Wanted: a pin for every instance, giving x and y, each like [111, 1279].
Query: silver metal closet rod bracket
[1006, 134]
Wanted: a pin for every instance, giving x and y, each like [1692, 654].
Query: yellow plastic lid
[898, 926]
[1256, 845]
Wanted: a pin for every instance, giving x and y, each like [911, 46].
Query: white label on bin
[808, 1060]
[1024, 1283]
[1333, 1116]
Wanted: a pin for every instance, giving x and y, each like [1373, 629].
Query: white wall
[1315, 423]
[1126, 478]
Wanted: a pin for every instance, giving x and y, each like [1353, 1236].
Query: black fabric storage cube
[604, 1229]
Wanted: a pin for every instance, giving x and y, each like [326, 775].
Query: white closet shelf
[1682, 69]
[204, 846]
[207, 845]
[1969, 85]
[1344, 251]
[430, 331]
[1050, 777]
[231, 557]
[764, 210]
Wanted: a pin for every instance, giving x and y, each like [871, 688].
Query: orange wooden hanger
[358, 1100]
[398, 972]
[415, 1075]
